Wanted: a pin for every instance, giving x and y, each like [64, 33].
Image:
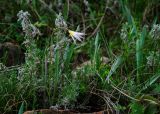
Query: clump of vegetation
[82, 56]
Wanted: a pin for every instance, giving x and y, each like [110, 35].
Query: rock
[11, 54]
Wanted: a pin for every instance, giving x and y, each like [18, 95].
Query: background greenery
[115, 68]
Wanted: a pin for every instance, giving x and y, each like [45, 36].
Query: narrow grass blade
[139, 52]
[114, 67]
[21, 108]
[96, 56]
[66, 9]
[68, 56]
[151, 80]
[127, 14]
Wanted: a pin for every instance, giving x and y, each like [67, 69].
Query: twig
[124, 93]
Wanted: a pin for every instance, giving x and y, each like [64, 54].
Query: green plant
[62, 69]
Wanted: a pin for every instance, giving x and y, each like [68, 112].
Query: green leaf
[21, 108]
[137, 108]
[157, 89]
[130, 19]
[68, 56]
[65, 10]
[34, 4]
[139, 52]
[129, 16]
[115, 65]
[150, 109]
[96, 56]
[151, 80]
